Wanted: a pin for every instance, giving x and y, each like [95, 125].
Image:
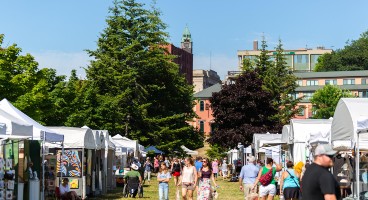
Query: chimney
[255, 45]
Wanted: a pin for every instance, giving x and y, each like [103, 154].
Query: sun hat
[134, 166]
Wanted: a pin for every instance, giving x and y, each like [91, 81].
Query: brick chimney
[255, 45]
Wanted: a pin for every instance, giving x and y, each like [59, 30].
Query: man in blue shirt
[198, 163]
[248, 176]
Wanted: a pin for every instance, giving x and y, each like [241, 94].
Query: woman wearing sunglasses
[188, 179]
[205, 176]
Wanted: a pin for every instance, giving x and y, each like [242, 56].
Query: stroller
[132, 188]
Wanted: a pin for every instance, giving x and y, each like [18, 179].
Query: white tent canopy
[345, 123]
[76, 137]
[14, 126]
[38, 129]
[188, 151]
[126, 142]
[98, 142]
[267, 139]
[305, 132]
[285, 136]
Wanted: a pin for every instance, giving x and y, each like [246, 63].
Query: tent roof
[260, 140]
[76, 137]
[153, 148]
[15, 126]
[302, 130]
[285, 136]
[50, 136]
[188, 151]
[98, 138]
[345, 121]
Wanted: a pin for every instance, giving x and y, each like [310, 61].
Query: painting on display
[73, 184]
[71, 163]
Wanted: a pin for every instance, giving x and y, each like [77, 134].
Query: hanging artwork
[73, 183]
[2, 163]
[10, 185]
[2, 194]
[2, 184]
[69, 164]
[9, 163]
[9, 194]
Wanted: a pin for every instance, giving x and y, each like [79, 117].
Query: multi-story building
[203, 79]
[302, 60]
[184, 55]
[354, 81]
[205, 120]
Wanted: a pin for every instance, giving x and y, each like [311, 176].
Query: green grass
[227, 190]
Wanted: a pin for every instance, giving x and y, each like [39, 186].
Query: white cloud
[219, 63]
[63, 62]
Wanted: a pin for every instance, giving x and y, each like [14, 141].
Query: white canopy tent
[126, 142]
[285, 135]
[344, 124]
[39, 131]
[306, 132]
[76, 137]
[265, 140]
[188, 151]
[14, 126]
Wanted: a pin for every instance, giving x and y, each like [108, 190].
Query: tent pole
[43, 166]
[357, 156]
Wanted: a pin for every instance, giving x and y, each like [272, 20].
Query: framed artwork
[74, 183]
[10, 185]
[2, 184]
[2, 194]
[70, 164]
[9, 195]
[51, 183]
[9, 163]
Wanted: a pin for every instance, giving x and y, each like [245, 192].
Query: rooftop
[207, 93]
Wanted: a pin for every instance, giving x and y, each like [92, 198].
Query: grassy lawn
[227, 190]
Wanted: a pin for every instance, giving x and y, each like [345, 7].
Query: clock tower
[186, 41]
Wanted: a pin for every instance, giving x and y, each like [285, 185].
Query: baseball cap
[251, 159]
[324, 149]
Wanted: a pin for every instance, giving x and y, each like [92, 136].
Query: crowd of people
[310, 181]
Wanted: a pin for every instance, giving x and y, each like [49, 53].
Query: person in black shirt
[318, 183]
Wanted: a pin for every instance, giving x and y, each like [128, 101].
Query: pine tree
[133, 85]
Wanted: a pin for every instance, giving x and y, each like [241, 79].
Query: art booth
[76, 162]
[305, 135]
[267, 145]
[349, 135]
[14, 136]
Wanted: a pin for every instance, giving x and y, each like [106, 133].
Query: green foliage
[241, 109]
[325, 100]
[279, 80]
[133, 83]
[26, 86]
[354, 56]
[216, 151]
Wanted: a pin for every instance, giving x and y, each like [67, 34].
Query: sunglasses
[330, 156]
[205, 161]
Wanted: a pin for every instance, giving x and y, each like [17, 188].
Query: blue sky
[58, 32]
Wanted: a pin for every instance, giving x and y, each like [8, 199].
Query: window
[288, 60]
[201, 126]
[363, 94]
[349, 81]
[301, 62]
[307, 95]
[314, 60]
[314, 110]
[331, 82]
[299, 82]
[293, 95]
[201, 106]
[312, 82]
[301, 111]
[364, 81]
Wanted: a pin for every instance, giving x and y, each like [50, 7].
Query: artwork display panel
[72, 163]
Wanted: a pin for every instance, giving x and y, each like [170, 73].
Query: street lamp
[126, 125]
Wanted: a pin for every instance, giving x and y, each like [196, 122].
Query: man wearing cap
[247, 177]
[318, 183]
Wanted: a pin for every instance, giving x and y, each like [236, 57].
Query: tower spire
[186, 40]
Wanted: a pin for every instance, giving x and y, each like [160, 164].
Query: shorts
[176, 173]
[270, 189]
[188, 186]
[291, 192]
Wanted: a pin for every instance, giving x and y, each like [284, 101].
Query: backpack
[266, 178]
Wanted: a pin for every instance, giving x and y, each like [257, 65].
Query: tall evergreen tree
[134, 86]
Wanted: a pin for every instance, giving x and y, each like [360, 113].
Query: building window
[301, 62]
[363, 94]
[301, 111]
[201, 126]
[331, 82]
[307, 95]
[293, 96]
[299, 82]
[364, 81]
[349, 81]
[312, 82]
[314, 60]
[201, 105]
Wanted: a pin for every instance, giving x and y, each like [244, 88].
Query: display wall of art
[72, 165]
